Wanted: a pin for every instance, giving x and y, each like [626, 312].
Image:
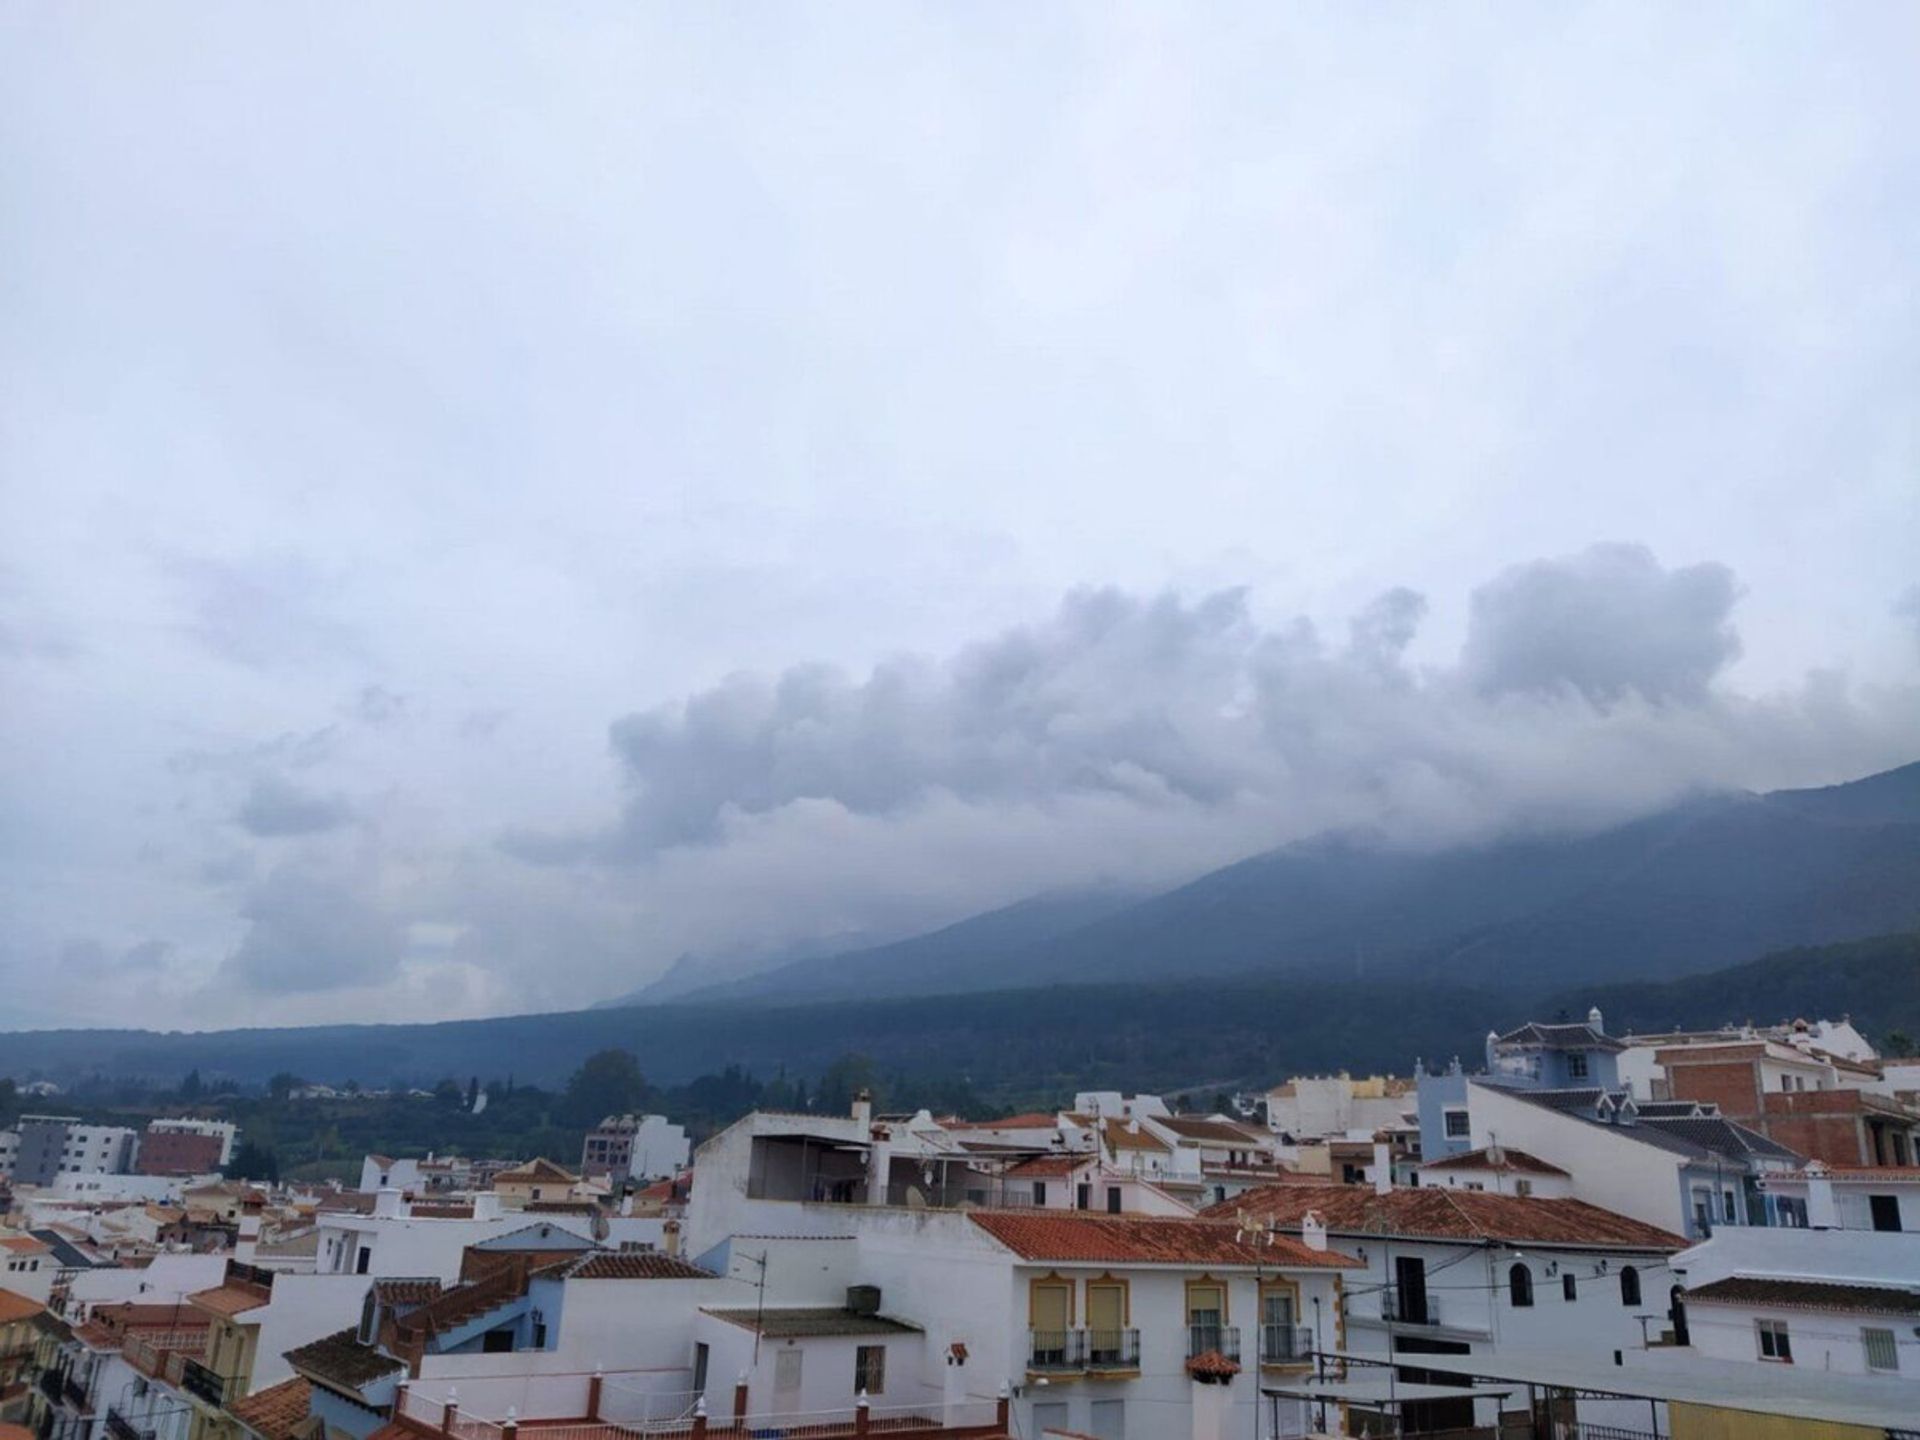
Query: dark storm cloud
[1606, 623]
[275, 807]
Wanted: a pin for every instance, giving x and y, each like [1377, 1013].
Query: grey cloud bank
[494, 500]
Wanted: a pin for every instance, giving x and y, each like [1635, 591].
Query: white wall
[163, 1281]
[1829, 1342]
[1609, 1169]
[303, 1308]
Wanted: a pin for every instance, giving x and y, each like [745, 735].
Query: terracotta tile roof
[1450, 1214]
[1031, 1120]
[232, 1298]
[25, 1245]
[636, 1265]
[1042, 1167]
[17, 1307]
[276, 1410]
[1119, 1137]
[536, 1169]
[1225, 1132]
[1487, 1158]
[342, 1359]
[1808, 1295]
[1070, 1236]
[406, 1289]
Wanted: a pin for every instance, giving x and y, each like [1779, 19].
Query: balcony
[1109, 1350]
[1409, 1309]
[203, 1384]
[1285, 1345]
[75, 1391]
[1051, 1351]
[49, 1383]
[121, 1428]
[1221, 1340]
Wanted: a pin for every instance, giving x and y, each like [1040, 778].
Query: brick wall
[1730, 1084]
[167, 1153]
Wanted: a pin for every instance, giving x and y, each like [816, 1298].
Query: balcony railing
[1056, 1349]
[49, 1383]
[75, 1390]
[1409, 1309]
[1113, 1349]
[1080, 1350]
[121, 1428]
[1213, 1340]
[1285, 1344]
[203, 1383]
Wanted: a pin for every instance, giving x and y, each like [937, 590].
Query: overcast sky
[498, 498]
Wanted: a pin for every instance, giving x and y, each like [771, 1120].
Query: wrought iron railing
[204, 1383]
[1113, 1349]
[121, 1428]
[1221, 1340]
[1409, 1308]
[1056, 1349]
[1285, 1344]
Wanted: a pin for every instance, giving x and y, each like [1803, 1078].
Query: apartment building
[54, 1145]
[634, 1147]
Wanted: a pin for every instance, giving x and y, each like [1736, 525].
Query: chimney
[388, 1203]
[486, 1205]
[1313, 1230]
[1822, 1212]
[247, 1240]
[1595, 1022]
[1382, 1165]
[863, 1109]
[879, 1164]
[670, 1238]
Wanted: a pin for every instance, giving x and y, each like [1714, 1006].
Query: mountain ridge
[1708, 881]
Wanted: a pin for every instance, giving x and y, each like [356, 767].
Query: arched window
[1520, 1285]
[1629, 1286]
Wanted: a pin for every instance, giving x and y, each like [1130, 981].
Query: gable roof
[1488, 1157]
[539, 1168]
[343, 1360]
[1199, 1128]
[1074, 1236]
[636, 1265]
[1437, 1213]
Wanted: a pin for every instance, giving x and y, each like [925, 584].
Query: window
[1577, 1066]
[1520, 1286]
[1774, 1344]
[1569, 1287]
[1629, 1286]
[1458, 1125]
[1885, 1211]
[870, 1369]
[1107, 1322]
[1523, 1187]
[1113, 1199]
[1726, 1206]
[1040, 1192]
[1109, 1420]
[1881, 1351]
